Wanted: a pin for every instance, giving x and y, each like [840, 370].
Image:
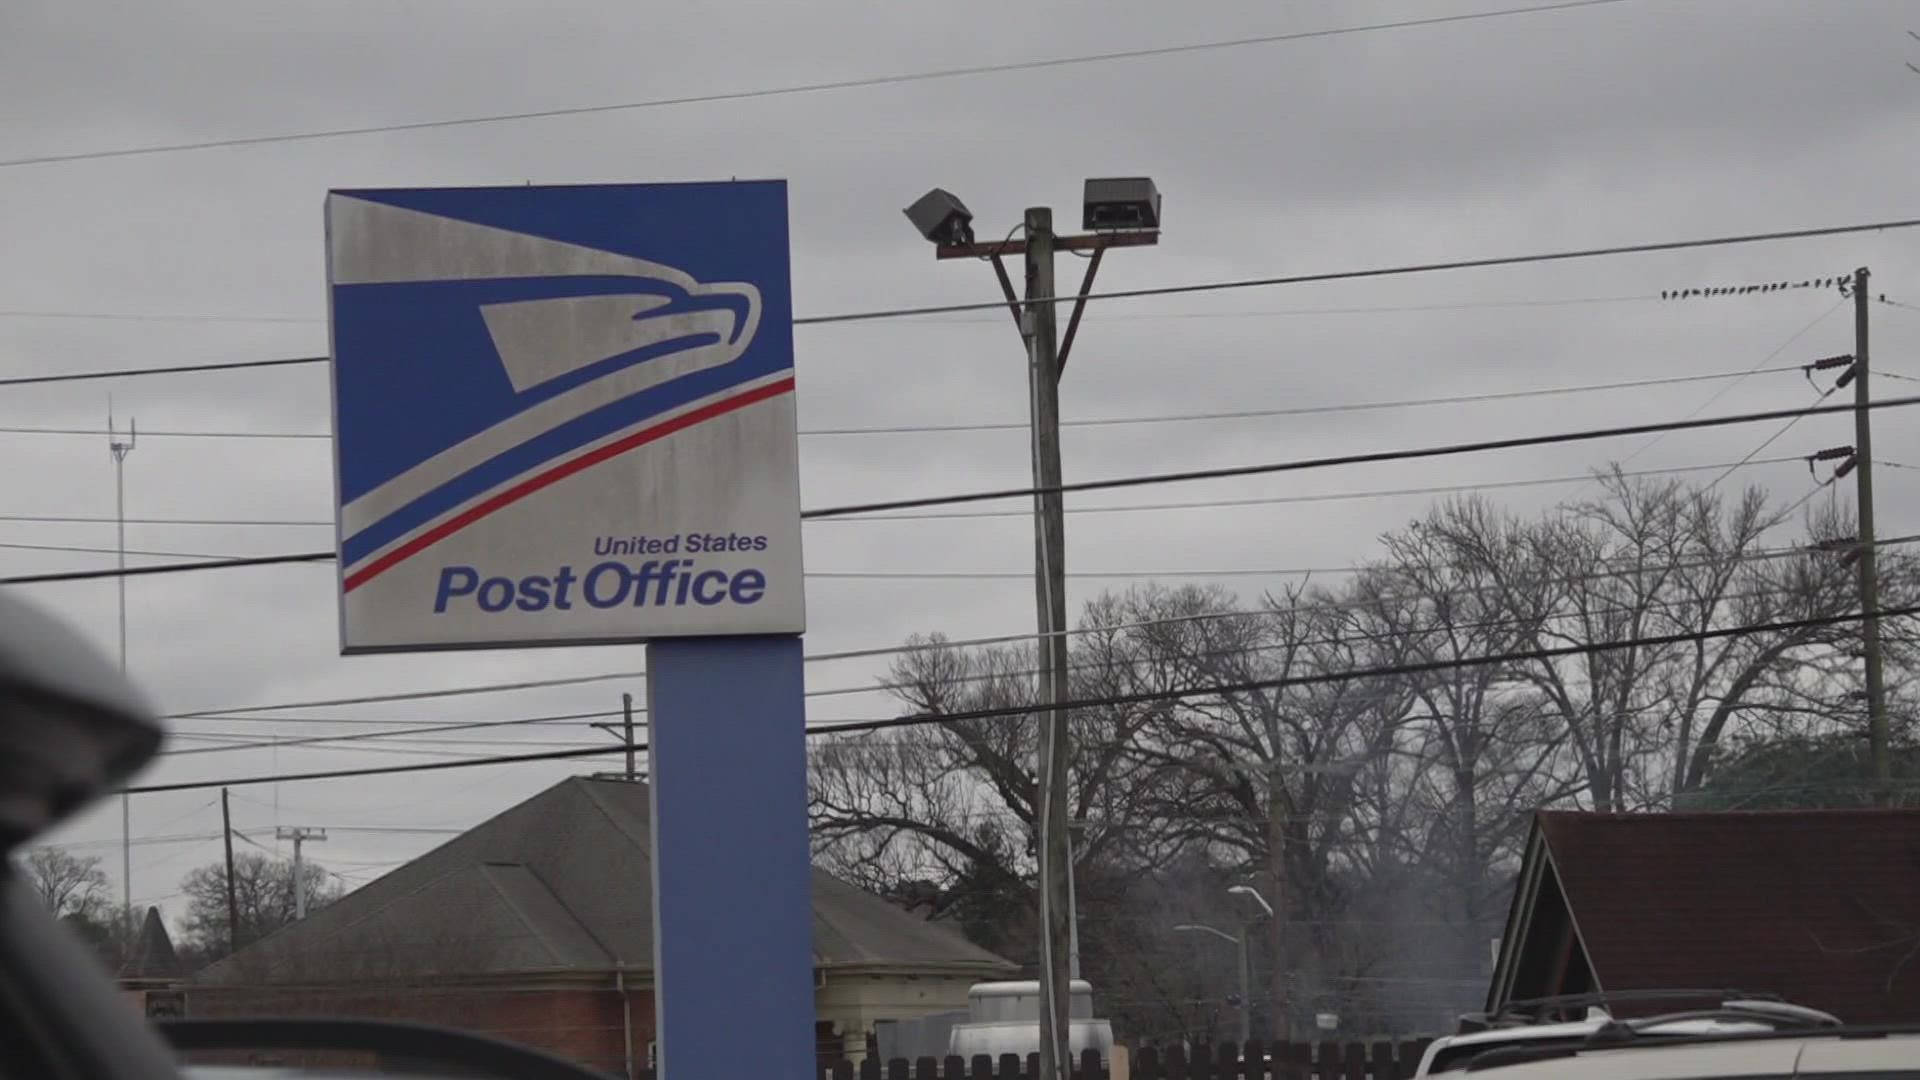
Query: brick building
[537, 926]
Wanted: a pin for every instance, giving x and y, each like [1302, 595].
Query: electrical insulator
[1845, 468]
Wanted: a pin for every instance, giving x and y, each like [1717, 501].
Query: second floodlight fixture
[1120, 203]
[942, 218]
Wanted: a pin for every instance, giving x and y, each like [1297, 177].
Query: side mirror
[71, 726]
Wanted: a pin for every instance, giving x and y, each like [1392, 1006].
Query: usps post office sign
[563, 415]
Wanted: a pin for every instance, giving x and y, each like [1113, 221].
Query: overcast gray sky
[1641, 120]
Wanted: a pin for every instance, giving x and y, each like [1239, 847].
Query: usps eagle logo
[477, 366]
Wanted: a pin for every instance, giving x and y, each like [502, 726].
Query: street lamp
[1248, 890]
[1246, 973]
[1121, 212]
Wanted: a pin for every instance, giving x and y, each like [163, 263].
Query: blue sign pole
[732, 874]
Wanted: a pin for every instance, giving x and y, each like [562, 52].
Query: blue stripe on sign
[530, 456]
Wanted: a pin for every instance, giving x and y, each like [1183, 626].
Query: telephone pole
[233, 900]
[624, 732]
[120, 450]
[1877, 737]
[626, 710]
[299, 834]
[1050, 557]
[1117, 213]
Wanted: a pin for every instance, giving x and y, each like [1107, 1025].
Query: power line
[113, 551]
[1255, 313]
[1768, 441]
[169, 568]
[282, 721]
[341, 774]
[1338, 496]
[1021, 425]
[92, 433]
[315, 740]
[256, 742]
[1303, 410]
[1106, 701]
[898, 575]
[891, 650]
[78, 519]
[1366, 458]
[1369, 457]
[1755, 370]
[1162, 290]
[871, 652]
[176, 369]
[1375, 272]
[122, 316]
[796, 88]
[1418, 668]
[1371, 309]
[1808, 497]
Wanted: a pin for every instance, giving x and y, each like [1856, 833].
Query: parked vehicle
[71, 730]
[1539, 1026]
[1614, 1054]
[1004, 1018]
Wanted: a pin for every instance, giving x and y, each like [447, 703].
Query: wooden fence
[1380, 1060]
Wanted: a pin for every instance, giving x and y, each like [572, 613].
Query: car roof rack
[1533, 1010]
[1611, 1036]
[1779, 1015]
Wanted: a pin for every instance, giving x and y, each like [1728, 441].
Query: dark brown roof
[560, 883]
[1821, 906]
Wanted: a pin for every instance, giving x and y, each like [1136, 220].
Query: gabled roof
[561, 883]
[153, 958]
[1819, 906]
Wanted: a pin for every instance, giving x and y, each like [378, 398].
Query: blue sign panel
[563, 414]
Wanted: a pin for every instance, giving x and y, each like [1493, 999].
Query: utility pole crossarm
[1083, 242]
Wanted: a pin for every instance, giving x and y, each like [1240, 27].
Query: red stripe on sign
[560, 472]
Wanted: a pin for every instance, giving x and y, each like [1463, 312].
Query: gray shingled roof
[153, 957]
[559, 883]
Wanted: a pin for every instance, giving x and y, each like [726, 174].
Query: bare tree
[1268, 774]
[1353, 753]
[1652, 560]
[264, 889]
[69, 885]
[945, 814]
[1477, 754]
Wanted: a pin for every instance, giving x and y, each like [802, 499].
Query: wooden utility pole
[1050, 551]
[233, 901]
[1877, 738]
[299, 834]
[626, 708]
